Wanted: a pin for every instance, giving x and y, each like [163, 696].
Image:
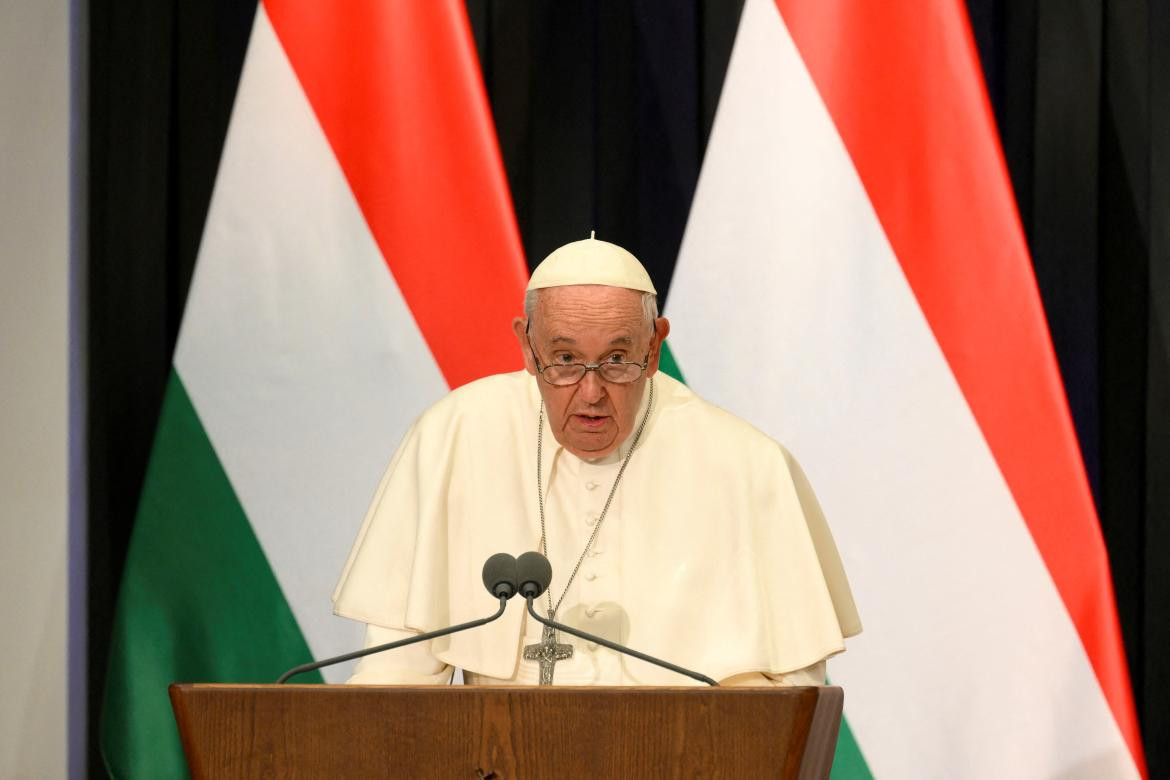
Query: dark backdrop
[603, 110]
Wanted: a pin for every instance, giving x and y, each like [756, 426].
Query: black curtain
[603, 110]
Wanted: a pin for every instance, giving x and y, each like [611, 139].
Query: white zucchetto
[591, 262]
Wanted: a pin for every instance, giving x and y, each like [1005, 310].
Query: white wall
[34, 265]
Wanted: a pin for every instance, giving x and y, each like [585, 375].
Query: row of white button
[590, 576]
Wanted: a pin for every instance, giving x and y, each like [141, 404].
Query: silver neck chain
[552, 610]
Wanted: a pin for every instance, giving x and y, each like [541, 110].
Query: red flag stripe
[397, 89]
[903, 84]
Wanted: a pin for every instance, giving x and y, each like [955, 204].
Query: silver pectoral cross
[547, 652]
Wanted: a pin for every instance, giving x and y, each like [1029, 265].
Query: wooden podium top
[504, 732]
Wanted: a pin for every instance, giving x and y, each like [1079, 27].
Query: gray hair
[649, 305]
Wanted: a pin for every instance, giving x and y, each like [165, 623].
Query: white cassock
[714, 554]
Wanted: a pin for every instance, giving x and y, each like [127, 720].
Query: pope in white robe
[693, 537]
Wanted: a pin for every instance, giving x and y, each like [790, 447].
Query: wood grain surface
[232, 731]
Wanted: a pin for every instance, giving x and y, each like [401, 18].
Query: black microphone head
[534, 573]
[499, 575]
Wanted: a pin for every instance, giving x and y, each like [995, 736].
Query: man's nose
[592, 388]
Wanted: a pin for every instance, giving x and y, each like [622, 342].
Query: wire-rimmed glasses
[563, 374]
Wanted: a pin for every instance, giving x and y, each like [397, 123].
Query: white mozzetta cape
[726, 563]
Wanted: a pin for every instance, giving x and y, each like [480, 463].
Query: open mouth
[591, 421]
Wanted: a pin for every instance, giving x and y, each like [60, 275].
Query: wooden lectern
[506, 732]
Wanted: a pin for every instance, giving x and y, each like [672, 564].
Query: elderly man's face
[591, 324]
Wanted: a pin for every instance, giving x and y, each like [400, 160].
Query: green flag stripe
[848, 763]
[668, 364]
[198, 602]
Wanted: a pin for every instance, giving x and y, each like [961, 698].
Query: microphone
[534, 573]
[499, 577]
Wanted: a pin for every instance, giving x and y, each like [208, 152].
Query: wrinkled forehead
[589, 310]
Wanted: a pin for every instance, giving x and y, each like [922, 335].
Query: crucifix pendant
[547, 652]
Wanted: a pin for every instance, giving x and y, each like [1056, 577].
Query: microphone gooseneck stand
[501, 575]
[392, 645]
[527, 593]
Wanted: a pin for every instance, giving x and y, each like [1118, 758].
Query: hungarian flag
[854, 280]
[359, 258]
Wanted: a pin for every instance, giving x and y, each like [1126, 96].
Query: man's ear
[520, 327]
[661, 331]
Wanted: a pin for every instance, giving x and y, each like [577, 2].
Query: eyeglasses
[564, 374]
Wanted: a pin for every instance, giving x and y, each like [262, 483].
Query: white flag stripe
[789, 308]
[297, 349]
